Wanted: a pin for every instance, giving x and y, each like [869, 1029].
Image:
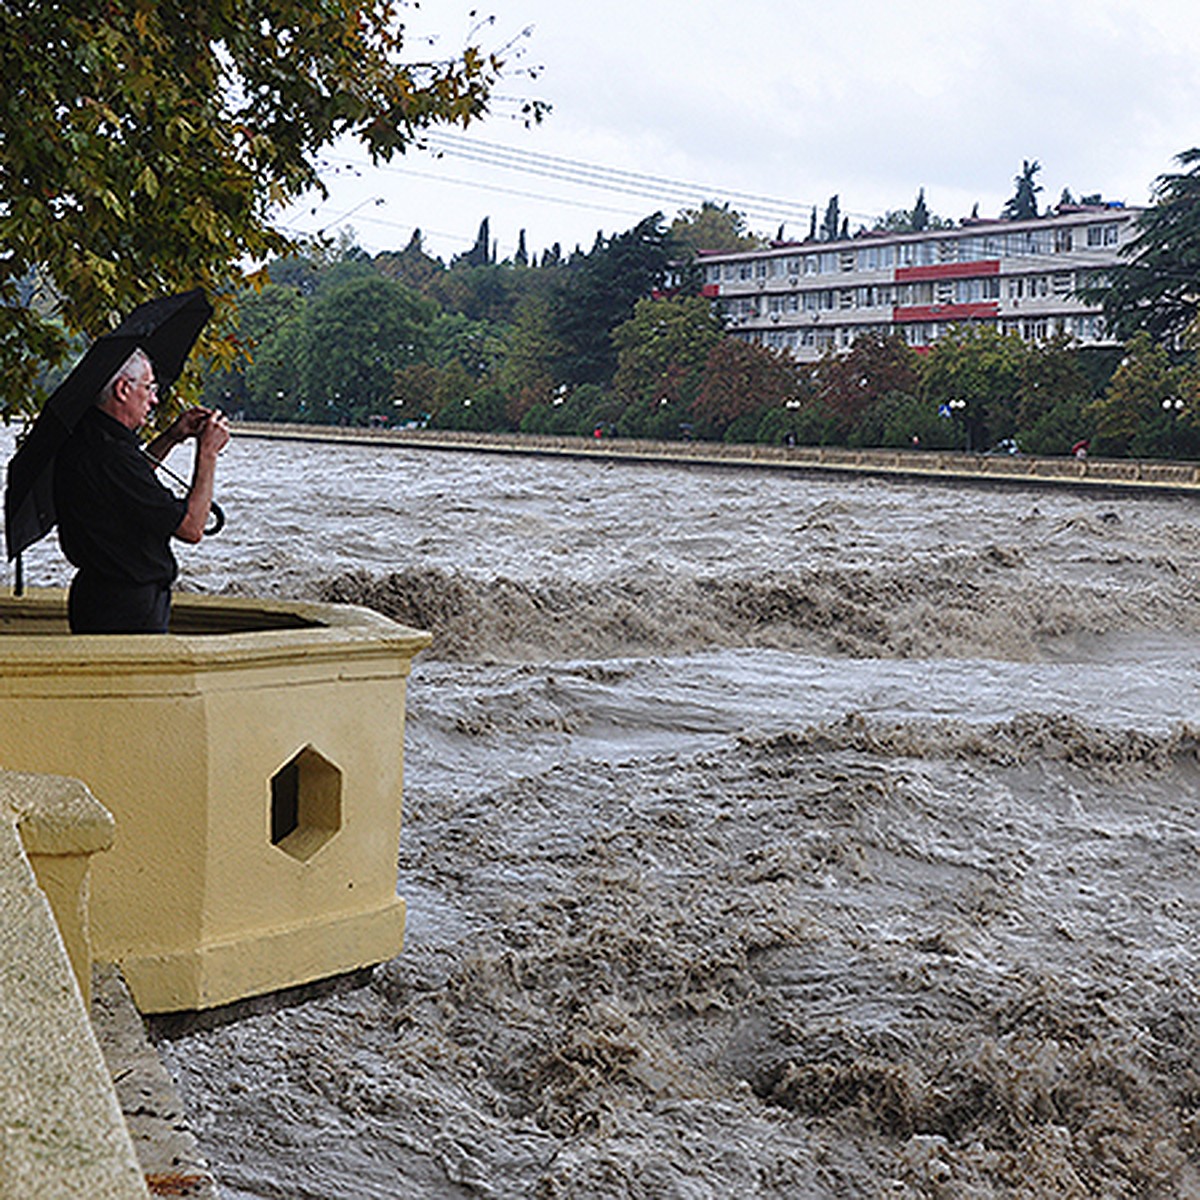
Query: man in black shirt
[115, 519]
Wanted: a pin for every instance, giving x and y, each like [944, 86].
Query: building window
[1064, 241]
[1102, 235]
[969, 291]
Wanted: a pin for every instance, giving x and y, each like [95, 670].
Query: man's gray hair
[134, 367]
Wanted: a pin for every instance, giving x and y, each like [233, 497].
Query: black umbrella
[166, 329]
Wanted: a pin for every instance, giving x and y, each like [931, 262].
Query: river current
[765, 836]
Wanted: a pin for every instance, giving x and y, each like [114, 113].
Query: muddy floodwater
[765, 836]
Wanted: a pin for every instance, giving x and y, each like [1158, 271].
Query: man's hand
[189, 423]
[213, 433]
[212, 436]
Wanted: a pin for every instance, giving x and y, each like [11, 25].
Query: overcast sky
[774, 106]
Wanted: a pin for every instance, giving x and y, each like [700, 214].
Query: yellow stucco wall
[182, 733]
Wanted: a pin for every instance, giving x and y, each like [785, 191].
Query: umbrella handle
[218, 519]
[216, 512]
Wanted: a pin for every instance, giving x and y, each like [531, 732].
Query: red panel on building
[946, 312]
[970, 270]
[711, 290]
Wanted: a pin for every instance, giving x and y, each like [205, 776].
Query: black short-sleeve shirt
[115, 519]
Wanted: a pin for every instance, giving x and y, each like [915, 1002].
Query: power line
[589, 174]
[457, 239]
[602, 179]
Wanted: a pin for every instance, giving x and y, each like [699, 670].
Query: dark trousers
[98, 605]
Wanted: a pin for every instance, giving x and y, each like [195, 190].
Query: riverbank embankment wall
[1099, 474]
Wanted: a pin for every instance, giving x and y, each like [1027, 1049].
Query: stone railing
[62, 1133]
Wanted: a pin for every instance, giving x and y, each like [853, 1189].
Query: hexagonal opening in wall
[306, 803]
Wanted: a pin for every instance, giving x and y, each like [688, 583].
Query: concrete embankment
[1113, 475]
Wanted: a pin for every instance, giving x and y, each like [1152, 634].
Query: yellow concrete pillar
[61, 826]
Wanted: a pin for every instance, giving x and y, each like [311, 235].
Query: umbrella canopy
[166, 329]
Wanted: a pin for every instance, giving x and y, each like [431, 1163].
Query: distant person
[916, 441]
[115, 519]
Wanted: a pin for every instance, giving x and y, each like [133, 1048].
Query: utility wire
[606, 178]
[655, 195]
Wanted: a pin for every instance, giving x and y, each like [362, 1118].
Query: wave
[1025, 738]
[979, 604]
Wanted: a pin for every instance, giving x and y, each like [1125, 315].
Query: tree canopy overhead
[145, 146]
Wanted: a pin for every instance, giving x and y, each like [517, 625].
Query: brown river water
[765, 836]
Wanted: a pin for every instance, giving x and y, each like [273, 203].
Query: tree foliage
[1129, 418]
[830, 223]
[1023, 203]
[913, 220]
[1053, 393]
[978, 365]
[144, 147]
[1158, 288]
[712, 226]
[744, 380]
[848, 386]
[600, 291]
[663, 347]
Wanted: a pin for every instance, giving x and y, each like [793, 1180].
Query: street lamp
[1172, 406]
[958, 408]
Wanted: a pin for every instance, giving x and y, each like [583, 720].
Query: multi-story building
[1020, 276]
